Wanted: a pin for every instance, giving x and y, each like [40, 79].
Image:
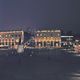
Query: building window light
[40, 34]
[0, 35]
[37, 34]
[58, 34]
[9, 35]
[6, 35]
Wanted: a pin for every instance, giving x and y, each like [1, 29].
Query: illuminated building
[11, 38]
[67, 41]
[48, 39]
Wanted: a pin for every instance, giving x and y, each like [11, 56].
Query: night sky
[53, 14]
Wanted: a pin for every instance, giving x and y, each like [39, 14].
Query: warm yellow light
[17, 40]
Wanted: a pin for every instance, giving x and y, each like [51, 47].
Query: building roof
[66, 36]
[48, 31]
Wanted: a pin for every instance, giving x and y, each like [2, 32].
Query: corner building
[11, 38]
[48, 39]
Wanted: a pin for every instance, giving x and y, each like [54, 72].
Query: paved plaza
[39, 64]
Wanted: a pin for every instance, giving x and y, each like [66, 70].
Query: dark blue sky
[40, 13]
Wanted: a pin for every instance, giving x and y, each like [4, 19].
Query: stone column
[42, 44]
[4, 42]
[35, 44]
[53, 43]
[59, 43]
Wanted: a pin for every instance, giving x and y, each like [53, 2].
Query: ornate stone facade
[11, 38]
[48, 39]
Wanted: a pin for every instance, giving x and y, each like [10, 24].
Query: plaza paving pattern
[39, 64]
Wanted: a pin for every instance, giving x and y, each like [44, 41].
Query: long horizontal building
[11, 38]
[48, 38]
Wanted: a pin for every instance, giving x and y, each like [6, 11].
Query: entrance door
[48, 44]
[56, 44]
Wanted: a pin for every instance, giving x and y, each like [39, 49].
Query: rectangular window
[2, 43]
[37, 34]
[12, 43]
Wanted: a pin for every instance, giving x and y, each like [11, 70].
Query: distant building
[67, 41]
[47, 38]
[11, 38]
[29, 39]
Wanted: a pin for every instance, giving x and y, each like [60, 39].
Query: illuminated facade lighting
[11, 38]
[48, 38]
